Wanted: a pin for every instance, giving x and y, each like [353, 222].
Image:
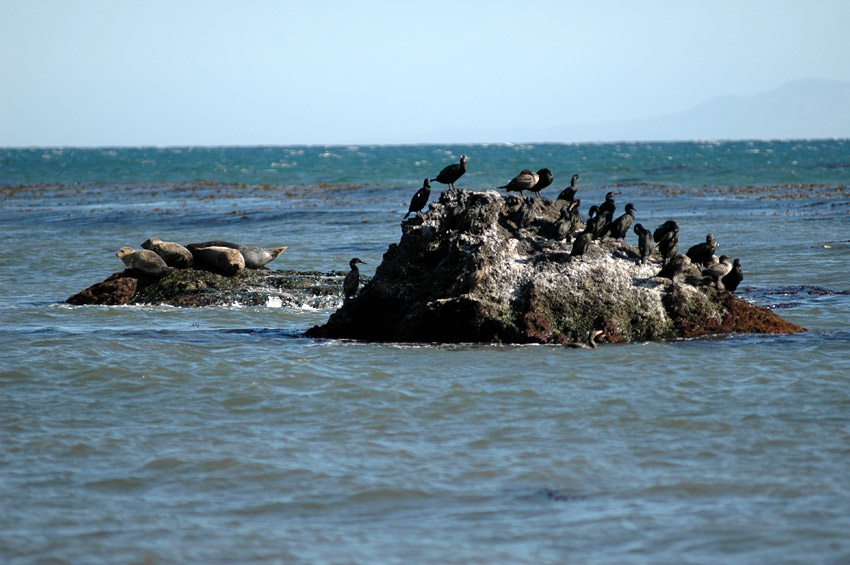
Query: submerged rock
[478, 267]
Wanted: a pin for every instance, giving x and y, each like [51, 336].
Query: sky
[132, 72]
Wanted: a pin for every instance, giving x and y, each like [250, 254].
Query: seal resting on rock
[255, 257]
[174, 254]
[224, 260]
[144, 261]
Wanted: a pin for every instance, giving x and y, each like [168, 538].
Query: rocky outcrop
[198, 287]
[478, 267]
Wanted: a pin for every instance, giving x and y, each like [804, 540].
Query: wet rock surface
[479, 267]
[197, 287]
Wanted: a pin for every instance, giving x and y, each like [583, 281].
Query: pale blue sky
[172, 72]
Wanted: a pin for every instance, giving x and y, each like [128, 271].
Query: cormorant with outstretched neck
[590, 343]
[544, 179]
[575, 215]
[703, 253]
[525, 180]
[620, 227]
[667, 238]
[569, 193]
[451, 173]
[718, 270]
[731, 281]
[645, 242]
[352, 279]
[581, 244]
[419, 199]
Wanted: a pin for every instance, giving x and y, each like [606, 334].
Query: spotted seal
[255, 257]
[224, 260]
[174, 254]
[144, 261]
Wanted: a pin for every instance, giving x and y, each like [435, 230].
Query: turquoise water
[218, 435]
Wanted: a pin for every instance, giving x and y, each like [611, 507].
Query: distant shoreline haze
[803, 109]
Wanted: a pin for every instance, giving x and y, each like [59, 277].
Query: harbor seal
[174, 254]
[222, 260]
[255, 257]
[144, 261]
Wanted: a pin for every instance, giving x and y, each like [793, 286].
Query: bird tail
[406, 215]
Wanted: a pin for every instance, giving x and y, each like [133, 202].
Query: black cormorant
[731, 281]
[468, 219]
[590, 343]
[545, 178]
[569, 193]
[419, 199]
[674, 267]
[620, 227]
[451, 173]
[525, 180]
[718, 270]
[645, 242]
[703, 253]
[581, 244]
[598, 222]
[352, 279]
[563, 225]
[526, 213]
[575, 215]
[667, 238]
[609, 205]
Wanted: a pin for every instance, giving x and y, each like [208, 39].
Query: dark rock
[196, 287]
[481, 268]
[117, 289]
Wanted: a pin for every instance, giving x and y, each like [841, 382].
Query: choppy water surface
[134, 434]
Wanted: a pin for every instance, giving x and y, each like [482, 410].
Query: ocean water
[219, 435]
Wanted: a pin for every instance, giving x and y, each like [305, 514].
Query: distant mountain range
[800, 109]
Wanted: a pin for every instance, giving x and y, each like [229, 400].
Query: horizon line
[424, 143]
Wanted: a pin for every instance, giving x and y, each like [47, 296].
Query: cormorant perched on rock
[645, 242]
[419, 199]
[598, 222]
[525, 213]
[718, 270]
[703, 253]
[575, 215]
[667, 238]
[468, 219]
[352, 279]
[569, 193]
[674, 267]
[609, 205]
[590, 343]
[545, 178]
[563, 226]
[581, 244]
[620, 227]
[525, 180]
[731, 281]
[451, 173]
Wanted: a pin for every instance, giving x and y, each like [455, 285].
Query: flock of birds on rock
[600, 224]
